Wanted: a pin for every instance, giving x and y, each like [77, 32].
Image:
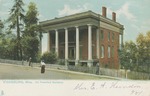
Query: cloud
[142, 26]
[124, 11]
[145, 25]
[67, 10]
[146, 22]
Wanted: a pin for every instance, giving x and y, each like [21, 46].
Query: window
[102, 51]
[93, 51]
[81, 36]
[71, 52]
[52, 38]
[80, 55]
[108, 51]
[112, 51]
[102, 35]
[113, 36]
[108, 36]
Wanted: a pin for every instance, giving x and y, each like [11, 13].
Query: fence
[103, 71]
[84, 69]
[25, 63]
[111, 72]
[138, 75]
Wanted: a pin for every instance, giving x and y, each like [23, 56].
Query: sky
[133, 14]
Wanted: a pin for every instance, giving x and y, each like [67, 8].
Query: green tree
[135, 56]
[1, 27]
[8, 46]
[30, 39]
[143, 44]
[49, 57]
[127, 55]
[16, 16]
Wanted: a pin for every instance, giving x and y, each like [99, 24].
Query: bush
[61, 62]
[49, 57]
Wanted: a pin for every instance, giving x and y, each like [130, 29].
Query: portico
[68, 43]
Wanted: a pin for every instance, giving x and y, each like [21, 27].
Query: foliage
[31, 15]
[16, 16]
[8, 46]
[127, 55]
[30, 47]
[143, 44]
[30, 38]
[135, 56]
[25, 43]
[61, 62]
[49, 57]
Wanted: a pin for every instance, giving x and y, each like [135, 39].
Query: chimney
[114, 16]
[104, 9]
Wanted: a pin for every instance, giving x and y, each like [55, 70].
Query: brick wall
[113, 61]
[84, 39]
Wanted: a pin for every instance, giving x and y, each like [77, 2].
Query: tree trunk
[18, 39]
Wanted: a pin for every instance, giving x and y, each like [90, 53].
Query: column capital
[76, 26]
[56, 29]
[66, 28]
[89, 24]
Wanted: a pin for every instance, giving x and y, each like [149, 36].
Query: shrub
[49, 57]
[61, 62]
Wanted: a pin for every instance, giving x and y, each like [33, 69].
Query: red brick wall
[84, 44]
[113, 61]
[94, 48]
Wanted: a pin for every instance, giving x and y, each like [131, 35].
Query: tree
[143, 44]
[30, 37]
[8, 46]
[1, 29]
[1, 26]
[135, 56]
[127, 55]
[16, 16]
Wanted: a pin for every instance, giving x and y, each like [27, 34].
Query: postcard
[72, 47]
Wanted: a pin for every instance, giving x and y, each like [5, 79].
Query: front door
[71, 52]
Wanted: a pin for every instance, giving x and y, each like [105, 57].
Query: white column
[97, 40]
[122, 40]
[56, 42]
[77, 44]
[89, 44]
[48, 41]
[66, 43]
[40, 43]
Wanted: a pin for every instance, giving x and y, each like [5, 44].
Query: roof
[81, 16]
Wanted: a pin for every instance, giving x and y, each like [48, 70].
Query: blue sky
[133, 14]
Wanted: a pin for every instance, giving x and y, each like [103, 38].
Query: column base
[90, 64]
[66, 64]
[76, 62]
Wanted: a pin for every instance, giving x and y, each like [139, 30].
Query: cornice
[81, 16]
[78, 16]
